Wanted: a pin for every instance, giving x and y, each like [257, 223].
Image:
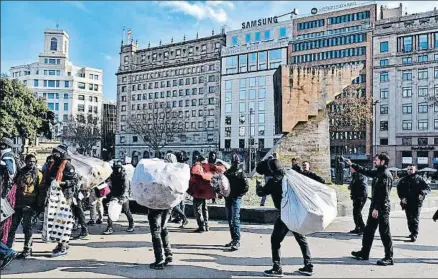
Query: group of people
[26, 190]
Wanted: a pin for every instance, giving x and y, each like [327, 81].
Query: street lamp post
[250, 144]
[375, 126]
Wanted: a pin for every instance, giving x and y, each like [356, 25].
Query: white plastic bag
[91, 171]
[6, 210]
[307, 206]
[114, 210]
[221, 184]
[159, 185]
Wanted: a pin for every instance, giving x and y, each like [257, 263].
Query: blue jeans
[5, 250]
[232, 206]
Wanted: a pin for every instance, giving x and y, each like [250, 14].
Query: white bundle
[91, 171]
[221, 184]
[160, 185]
[307, 206]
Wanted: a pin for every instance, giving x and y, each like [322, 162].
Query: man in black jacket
[239, 187]
[359, 195]
[120, 187]
[379, 209]
[412, 190]
[273, 187]
[306, 172]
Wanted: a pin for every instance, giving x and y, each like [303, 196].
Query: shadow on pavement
[415, 247]
[336, 235]
[114, 244]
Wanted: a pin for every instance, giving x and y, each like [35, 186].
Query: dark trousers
[278, 234]
[78, 213]
[232, 206]
[412, 211]
[201, 211]
[179, 211]
[382, 221]
[127, 211]
[358, 204]
[24, 216]
[160, 236]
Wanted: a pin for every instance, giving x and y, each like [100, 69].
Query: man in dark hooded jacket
[273, 187]
[238, 188]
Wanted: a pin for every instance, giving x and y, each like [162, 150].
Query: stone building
[249, 60]
[184, 76]
[405, 74]
[69, 90]
[335, 39]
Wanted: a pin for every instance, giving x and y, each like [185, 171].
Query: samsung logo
[260, 22]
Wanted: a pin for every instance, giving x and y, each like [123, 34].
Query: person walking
[273, 168]
[179, 210]
[263, 200]
[120, 187]
[201, 190]
[412, 189]
[96, 207]
[379, 209]
[359, 195]
[306, 172]
[158, 219]
[27, 181]
[233, 203]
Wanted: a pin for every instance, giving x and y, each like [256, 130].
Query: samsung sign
[260, 22]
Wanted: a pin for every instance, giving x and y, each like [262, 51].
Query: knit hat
[62, 148]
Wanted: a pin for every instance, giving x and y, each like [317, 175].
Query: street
[202, 255]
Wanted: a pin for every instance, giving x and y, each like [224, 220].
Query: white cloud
[219, 3]
[79, 5]
[200, 10]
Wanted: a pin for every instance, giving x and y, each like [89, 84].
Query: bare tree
[159, 126]
[432, 99]
[82, 131]
[351, 111]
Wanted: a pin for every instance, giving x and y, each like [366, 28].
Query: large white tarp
[160, 185]
[307, 206]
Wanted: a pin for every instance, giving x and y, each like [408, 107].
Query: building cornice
[228, 51]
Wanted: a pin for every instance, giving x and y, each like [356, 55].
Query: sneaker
[108, 231]
[59, 253]
[274, 272]
[411, 239]
[157, 265]
[306, 270]
[91, 223]
[229, 244]
[176, 221]
[356, 230]
[200, 230]
[168, 260]
[359, 256]
[99, 221]
[184, 223]
[385, 262]
[7, 260]
[207, 228]
[235, 246]
[23, 255]
[84, 236]
[130, 229]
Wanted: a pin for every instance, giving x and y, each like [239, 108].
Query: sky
[95, 27]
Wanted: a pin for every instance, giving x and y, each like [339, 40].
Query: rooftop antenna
[123, 34]
[171, 40]
[57, 25]
[197, 35]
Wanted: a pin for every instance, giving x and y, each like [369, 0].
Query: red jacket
[199, 184]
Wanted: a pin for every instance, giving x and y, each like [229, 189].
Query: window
[54, 44]
[234, 41]
[211, 101]
[282, 32]
[436, 72]
[65, 96]
[423, 42]
[422, 107]
[383, 125]
[228, 96]
[242, 95]
[407, 44]
[65, 106]
[81, 85]
[407, 109]
[407, 125]
[252, 82]
[407, 60]
[422, 74]
[210, 124]
[422, 58]
[435, 125]
[241, 131]
[262, 81]
[384, 76]
[228, 84]
[261, 105]
[423, 125]
[422, 91]
[274, 58]
[252, 61]
[423, 141]
[228, 107]
[383, 46]
[262, 93]
[407, 75]
[383, 109]
[384, 62]
[261, 118]
[81, 107]
[231, 65]
[243, 63]
[383, 94]
[267, 35]
[257, 36]
[407, 141]
[383, 141]
[242, 107]
[252, 94]
[262, 65]
[406, 92]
